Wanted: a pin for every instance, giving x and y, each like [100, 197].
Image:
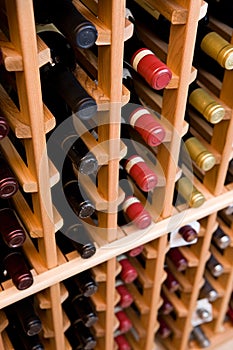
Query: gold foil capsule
[199, 154]
[219, 49]
[189, 192]
[204, 103]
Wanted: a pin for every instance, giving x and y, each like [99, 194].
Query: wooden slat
[44, 297]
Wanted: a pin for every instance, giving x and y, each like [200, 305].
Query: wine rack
[23, 53]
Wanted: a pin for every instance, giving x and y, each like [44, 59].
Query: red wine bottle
[164, 330]
[80, 337]
[140, 118]
[25, 312]
[82, 284]
[75, 194]
[8, 182]
[11, 229]
[126, 297]
[122, 342]
[4, 127]
[166, 308]
[131, 207]
[135, 251]
[145, 62]
[58, 76]
[177, 258]
[79, 308]
[188, 233]
[14, 263]
[128, 272]
[170, 282]
[79, 31]
[125, 324]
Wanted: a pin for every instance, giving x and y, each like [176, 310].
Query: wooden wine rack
[24, 53]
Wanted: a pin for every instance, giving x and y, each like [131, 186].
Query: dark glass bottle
[166, 307]
[78, 30]
[79, 308]
[4, 127]
[11, 229]
[14, 263]
[214, 266]
[188, 233]
[222, 10]
[75, 194]
[177, 258]
[220, 239]
[200, 337]
[58, 76]
[170, 282]
[164, 330]
[126, 297]
[83, 283]
[207, 291]
[145, 62]
[128, 272]
[132, 207]
[206, 104]
[140, 118]
[25, 312]
[8, 182]
[80, 337]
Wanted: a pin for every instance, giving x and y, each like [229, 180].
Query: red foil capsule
[8, 183]
[144, 177]
[122, 343]
[126, 297]
[164, 331]
[4, 127]
[147, 126]
[178, 259]
[188, 233]
[128, 272]
[19, 272]
[171, 283]
[135, 251]
[12, 232]
[155, 72]
[166, 307]
[136, 212]
[125, 323]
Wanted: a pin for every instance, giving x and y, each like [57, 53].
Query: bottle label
[129, 201]
[135, 116]
[139, 56]
[132, 162]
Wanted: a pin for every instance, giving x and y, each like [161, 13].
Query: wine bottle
[203, 314]
[200, 337]
[22, 341]
[4, 127]
[185, 188]
[199, 154]
[206, 104]
[164, 330]
[14, 264]
[82, 284]
[128, 272]
[220, 239]
[214, 266]
[126, 297]
[80, 337]
[210, 44]
[74, 236]
[222, 10]
[167, 307]
[207, 291]
[75, 194]
[8, 183]
[177, 258]
[11, 229]
[25, 312]
[58, 76]
[79, 31]
[170, 282]
[79, 308]
[125, 324]
[122, 342]
[135, 251]
[140, 118]
[145, 62]
[132, 207]
[188, 233]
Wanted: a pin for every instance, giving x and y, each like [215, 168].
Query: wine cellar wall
[119, 280]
